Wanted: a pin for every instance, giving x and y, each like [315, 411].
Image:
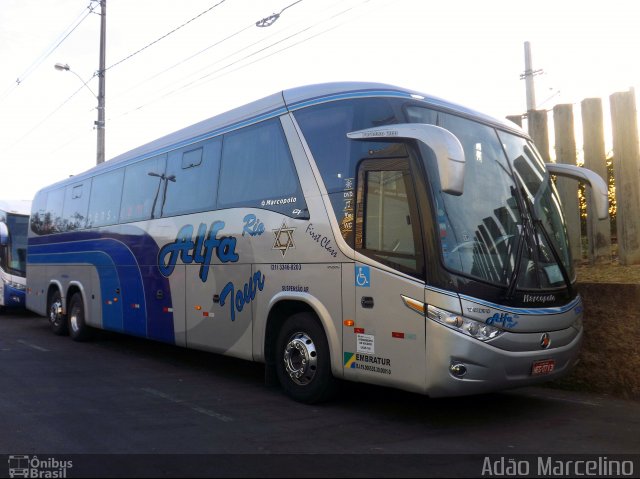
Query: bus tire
[78, 329]
[57, 319]
[303, 363]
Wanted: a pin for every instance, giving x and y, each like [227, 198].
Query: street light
[100, 123]
[67, 68]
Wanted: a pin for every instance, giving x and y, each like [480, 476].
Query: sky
[469, 52]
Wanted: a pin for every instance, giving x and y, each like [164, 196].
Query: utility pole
[100, 124]
[528, 75]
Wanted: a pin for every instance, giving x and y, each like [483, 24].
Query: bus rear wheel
[303, 363]
[57, 318]
[78, 328]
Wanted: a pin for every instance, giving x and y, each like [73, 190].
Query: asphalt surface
[173, 411]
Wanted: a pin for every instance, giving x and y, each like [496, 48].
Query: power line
[54, 46]
[207, 76]
[115, 64]
[270, 20]
[193, 83]
[181, 62]
[41, 122]
[284, 48]
[165, 35]
[46, 55]
[175, 65]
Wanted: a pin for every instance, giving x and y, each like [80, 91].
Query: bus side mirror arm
[447, 148]
[599, 187]
[4, 234]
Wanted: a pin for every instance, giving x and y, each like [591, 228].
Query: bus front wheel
[303, 362]
[57, 318]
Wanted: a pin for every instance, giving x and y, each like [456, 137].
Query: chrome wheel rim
[55, 312]
[73, 319]
[301, 359]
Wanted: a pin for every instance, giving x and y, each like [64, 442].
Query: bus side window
[38, 210]
[192, 183]
[106, 193]
[387, 225]
[143, 189]
[76, 203]
[257, 171]
[53, 222]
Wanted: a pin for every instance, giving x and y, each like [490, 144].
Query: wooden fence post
[537, 123]
[565, 144]
[598, 231]
[626, 168]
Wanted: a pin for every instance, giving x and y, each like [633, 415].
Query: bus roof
[275, 105]
[20, 207]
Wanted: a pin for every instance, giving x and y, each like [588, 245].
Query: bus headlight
[463, 325]
[18, 286]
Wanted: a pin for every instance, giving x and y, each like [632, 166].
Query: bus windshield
[489, 232]
[17, 260]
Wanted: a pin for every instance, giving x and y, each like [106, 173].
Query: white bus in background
[14, 225]
[349, 230]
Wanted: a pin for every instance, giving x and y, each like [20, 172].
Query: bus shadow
[382, 403]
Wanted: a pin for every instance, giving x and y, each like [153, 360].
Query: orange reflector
[414, 304]
[349, 322]
[198, 308]
[115, 300]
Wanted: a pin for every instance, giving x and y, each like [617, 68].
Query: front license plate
[545, 366]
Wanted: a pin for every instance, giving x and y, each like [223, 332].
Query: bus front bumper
[460, 365]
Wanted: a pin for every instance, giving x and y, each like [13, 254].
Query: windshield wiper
[526, 231]
[556, 256]
[538, 224]
[513, 279]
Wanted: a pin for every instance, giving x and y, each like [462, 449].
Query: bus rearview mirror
[4, 234]
[598, 186]
[447, 148]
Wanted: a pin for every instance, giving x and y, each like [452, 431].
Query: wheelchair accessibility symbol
[362, 276]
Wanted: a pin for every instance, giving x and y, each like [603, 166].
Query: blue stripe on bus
[120, 280]
[131, 268]
[112, 317]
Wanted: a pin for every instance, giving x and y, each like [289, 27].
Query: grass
[609, 273]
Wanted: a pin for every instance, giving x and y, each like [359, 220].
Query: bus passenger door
[387, 345]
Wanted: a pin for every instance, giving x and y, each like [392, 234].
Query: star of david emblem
[283, 239]
[348, 184]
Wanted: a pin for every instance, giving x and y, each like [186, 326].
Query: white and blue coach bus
[349, 230]
[14, 226]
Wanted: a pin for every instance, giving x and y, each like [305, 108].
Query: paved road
[122, 395]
